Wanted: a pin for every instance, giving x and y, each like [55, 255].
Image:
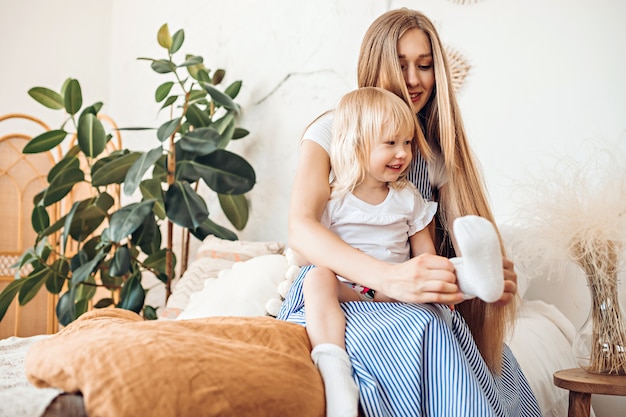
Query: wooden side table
[581, 384]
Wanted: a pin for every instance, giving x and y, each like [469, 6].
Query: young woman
[420, 358]
[374, 208]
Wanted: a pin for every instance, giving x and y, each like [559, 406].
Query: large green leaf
[170, 100]
[45, 141]
[162, 66]
[40, 219]
[163, 37]
[193, 69]
[184, 206]
[33, 284]
[162, 91]
[240, 133]
[89, 216]
[53, 228]
[8, 294]
[104, 303]
[148, 235]
[218, 76]
[66, 308]
[225, 172]
[192, 60]
[201, 141]
[93, 109]
[220, 98]
[84, 271]
[235, 207]
[138, 169]
[160, 169]
[61, 185]
[233, 90]
[69, 161]
[73, 97]
[92, 138]
[197, 117]
[60, 273]
[156, 261]
[132, 295]
[47, 97]
[167, 129]
[203, 75]
[121, 262]
[227, 135]
[149, 313]
[177, 41]
[127, 219]
[186, 171]
[224, 122]
[209, 227]
[113, 170]
[68, 225]
[151, 190]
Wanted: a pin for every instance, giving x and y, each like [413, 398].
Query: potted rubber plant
[113, 245]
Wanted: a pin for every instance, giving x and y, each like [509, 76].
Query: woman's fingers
[510, 283]
[424, 279]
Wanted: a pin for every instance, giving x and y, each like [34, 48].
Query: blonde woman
[417, 357]
[374, 208]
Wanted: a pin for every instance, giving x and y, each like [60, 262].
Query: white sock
[342, 394]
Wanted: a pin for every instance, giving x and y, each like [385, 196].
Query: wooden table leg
[579, 404]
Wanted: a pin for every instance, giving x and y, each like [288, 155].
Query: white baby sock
[342, 394]
[479, 269]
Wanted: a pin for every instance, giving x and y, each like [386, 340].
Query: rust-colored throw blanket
[220, 366]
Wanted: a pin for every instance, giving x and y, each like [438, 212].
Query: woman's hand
[510, 283]
[424, 279]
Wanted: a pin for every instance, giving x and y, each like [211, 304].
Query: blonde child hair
[360, 119]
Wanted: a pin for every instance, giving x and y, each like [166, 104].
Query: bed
[216, 350]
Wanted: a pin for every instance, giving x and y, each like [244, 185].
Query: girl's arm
[426, 278]
[421, 242]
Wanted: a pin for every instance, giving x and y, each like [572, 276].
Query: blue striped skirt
[414, 360]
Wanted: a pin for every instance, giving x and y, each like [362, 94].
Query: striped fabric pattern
[418, 175]
[420, 360]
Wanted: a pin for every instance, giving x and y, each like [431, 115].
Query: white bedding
[18, 398]
[541, 342]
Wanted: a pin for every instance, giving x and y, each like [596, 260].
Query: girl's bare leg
[326, 326]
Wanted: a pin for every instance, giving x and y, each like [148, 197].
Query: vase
[600, 343]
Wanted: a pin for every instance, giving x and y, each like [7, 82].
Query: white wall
[546, 76]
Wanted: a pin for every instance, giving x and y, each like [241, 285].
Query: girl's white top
[380, 230]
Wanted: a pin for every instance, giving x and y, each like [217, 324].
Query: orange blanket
[221, 366]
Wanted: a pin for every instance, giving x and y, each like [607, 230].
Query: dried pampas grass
[578, 214]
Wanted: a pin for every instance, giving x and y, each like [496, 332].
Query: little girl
[374, 208]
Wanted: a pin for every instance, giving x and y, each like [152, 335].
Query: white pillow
[542, 344]
[242, 290]
[213, 255]
[236, 250]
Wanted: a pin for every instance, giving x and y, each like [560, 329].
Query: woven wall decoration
[459, 68]
[464, 1]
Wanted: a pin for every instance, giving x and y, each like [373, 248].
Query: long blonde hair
[379, 66]
[360, 118]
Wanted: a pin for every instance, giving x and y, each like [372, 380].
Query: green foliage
[115, 245]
